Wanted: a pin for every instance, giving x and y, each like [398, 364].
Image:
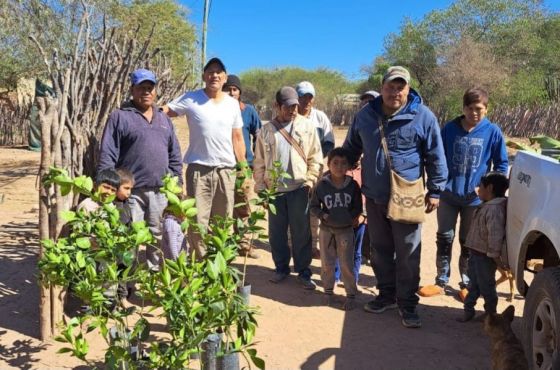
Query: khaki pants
[212, 188]
[242, 212]
[337, 243]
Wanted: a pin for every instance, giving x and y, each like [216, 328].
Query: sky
[340, 35]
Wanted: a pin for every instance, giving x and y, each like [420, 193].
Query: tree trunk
[46, 114]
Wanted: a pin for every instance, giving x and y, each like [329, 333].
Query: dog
[507, 351]
[505, 274]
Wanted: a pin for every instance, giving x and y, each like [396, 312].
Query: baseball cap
[371, 93]
[287, 96]
[395, 72]
[141, 75]
[305, 87]
[217, 61]
[233, 80]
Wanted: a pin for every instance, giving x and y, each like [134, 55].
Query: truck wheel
[541, 318]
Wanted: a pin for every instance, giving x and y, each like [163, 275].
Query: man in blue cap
[139, 137]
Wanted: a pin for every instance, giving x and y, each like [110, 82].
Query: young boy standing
[485, 240]
[106, 184]
[337, 202]
[123, 193]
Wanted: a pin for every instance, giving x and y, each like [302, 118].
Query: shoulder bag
[407, 198]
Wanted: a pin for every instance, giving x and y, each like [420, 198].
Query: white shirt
[323, 125]
[210, 127]
[283, 155]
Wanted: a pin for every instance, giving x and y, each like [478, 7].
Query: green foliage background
[260, 85]
[510, 47]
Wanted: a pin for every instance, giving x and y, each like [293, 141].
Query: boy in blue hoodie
[473, 146]
[414, 145]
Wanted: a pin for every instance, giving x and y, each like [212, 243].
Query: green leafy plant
[539, 144]
[197, 297]
[95, 256]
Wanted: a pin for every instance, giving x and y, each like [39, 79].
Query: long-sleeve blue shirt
[414, 143]
[147, 149]
[469, 156]
[251, 126]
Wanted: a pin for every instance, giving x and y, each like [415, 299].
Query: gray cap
[395, 72]
[287, 96]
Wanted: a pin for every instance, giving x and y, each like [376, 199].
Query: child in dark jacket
[485, 240]
[337, 202]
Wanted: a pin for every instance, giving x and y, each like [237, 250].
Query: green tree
[260, 85]
[507, 46]
[56, 23]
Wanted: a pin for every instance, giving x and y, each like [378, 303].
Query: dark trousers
[482, 274]
[447, 219]
[395, 256]
[292, 211]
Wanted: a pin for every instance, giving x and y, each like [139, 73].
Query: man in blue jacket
[415, 145]
[139, 137]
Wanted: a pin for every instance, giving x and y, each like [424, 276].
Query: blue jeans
[358, 240]
[395, 256]
[447, 219]
[292, 211]
[482, 271]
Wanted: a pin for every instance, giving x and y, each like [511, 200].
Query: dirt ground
[296, 331]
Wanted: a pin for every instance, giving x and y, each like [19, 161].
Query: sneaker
[379, 305]
[467, 316]
[278, 277]
[431, 291]
[463, 294]
[307, 283]
[410, 318]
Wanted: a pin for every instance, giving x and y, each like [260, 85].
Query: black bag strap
[289, 138]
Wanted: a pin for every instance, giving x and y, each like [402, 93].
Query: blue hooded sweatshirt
[469, 156]
[414, 143]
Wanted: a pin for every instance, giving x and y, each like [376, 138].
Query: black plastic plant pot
[229, 361]
[209, 352]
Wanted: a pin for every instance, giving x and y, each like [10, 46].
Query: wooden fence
[527, 122]
[14, 125]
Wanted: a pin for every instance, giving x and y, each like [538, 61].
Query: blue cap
[141, 75]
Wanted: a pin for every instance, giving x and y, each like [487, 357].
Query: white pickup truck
[533, 239]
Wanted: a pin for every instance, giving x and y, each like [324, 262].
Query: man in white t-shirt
[306, 94]
[215, 146]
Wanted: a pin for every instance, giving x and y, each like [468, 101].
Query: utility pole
[204, 29]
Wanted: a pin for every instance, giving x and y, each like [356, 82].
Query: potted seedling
[258, 207]
[198, 298]
[96, 252]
